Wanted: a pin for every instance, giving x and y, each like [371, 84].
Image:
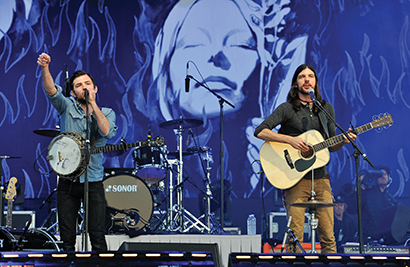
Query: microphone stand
[87, 161]
[221, 153]
[357, 152]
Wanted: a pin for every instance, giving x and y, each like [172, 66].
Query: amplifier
[354, 249]
[20, 217]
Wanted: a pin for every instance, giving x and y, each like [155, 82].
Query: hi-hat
[47, 132]
[185, 123]
[313, 204]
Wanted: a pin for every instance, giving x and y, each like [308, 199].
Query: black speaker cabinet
[20, 217]
[173, 247]
[394, 224]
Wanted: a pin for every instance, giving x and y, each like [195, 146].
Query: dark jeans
[69, 196]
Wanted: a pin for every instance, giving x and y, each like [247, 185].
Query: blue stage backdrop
[246, 51]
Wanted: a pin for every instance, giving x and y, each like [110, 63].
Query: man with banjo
[70, 189]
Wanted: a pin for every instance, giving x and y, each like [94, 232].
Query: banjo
[67, 152]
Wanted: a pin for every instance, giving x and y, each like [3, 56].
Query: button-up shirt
[73, 119]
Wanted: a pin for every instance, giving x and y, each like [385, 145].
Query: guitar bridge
[288, 159]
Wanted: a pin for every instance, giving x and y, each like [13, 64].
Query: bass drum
[35, 239]
[7, 240]
[129, 203]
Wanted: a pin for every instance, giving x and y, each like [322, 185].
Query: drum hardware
[180, 219]
[184, 153]
[312, 205]
[67, 151]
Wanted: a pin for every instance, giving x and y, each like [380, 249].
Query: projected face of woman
[223, 48]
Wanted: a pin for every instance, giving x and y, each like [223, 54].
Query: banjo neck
[158, 141]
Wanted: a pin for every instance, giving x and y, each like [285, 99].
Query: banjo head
[66, 155]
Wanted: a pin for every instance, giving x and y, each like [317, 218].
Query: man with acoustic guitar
[102, 127]
[297, 116]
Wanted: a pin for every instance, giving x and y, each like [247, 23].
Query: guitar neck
[117, 147]
[9, 219]
[340, 138]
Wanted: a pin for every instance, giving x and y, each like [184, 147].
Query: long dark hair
[293, 95]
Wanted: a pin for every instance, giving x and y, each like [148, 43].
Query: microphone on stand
[189, 135]
[67, 85]
[187, 78]
[312, 94]
[149, 132]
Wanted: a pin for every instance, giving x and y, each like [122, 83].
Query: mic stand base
[295, 241]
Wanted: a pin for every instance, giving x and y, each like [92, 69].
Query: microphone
[187, 78]
[67, 85]
[86, 94]
[189, 135]
[149, 132]
[312, 94]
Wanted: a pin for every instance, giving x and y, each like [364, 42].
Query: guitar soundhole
[308, 153]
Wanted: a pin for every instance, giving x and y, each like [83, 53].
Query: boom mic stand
[221, 154]
[356, 155]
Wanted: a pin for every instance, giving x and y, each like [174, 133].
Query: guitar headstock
[158, 141]
[11, 189]
[383, 120]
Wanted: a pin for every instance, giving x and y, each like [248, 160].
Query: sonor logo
[121, 188]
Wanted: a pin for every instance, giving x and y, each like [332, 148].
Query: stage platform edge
[226, 243]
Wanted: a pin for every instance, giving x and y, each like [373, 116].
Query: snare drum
[149, 163]
[129, 202]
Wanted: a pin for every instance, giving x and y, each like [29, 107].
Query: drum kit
[130, 200]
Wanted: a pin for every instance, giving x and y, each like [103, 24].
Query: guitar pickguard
[303, 164]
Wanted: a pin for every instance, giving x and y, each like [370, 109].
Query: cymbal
[313, 204]
[47, 132]
[185, 123]
[176, 153]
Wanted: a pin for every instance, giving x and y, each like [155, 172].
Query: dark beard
[80, 100]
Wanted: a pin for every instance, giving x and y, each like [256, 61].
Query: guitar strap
[323, 121]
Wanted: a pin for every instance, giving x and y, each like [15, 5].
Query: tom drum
[149, 163]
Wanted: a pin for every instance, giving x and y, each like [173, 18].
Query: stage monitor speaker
[173, 247]
[394, 224]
